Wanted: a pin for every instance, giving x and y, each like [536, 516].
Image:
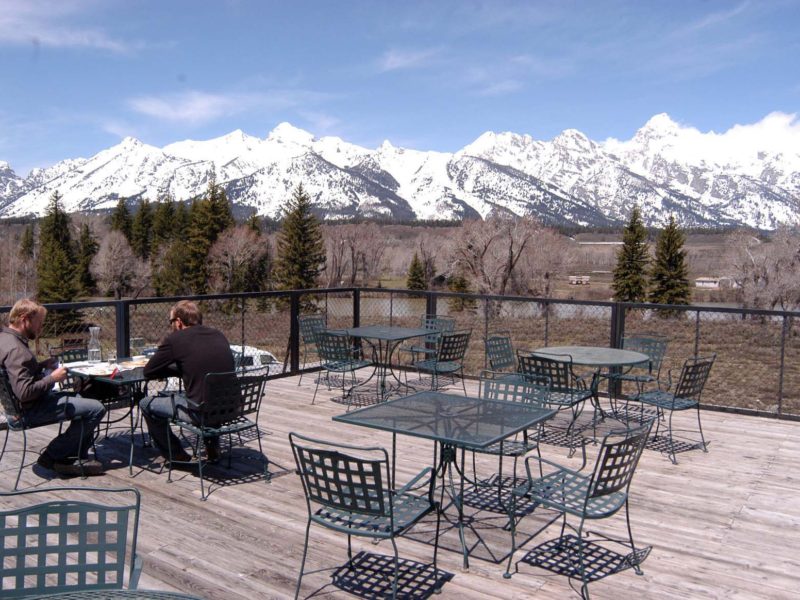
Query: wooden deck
[721, 525]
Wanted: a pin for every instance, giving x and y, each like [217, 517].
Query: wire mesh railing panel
[149, 324]
[524, 320]
[265, 338]
[679, 327]
[578, 325]
[339, 309]
[407, 310]
[790, 403]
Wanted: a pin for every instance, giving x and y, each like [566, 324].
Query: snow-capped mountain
[703, 179]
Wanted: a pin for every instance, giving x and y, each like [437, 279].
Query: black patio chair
[594, 496]
[347, 489]
[15, 421]
[78, 541]
[685, 396]
[449, 358]
[310, 326]
[427, 347]
[655, 347]
[339, 354]
[500, 351]
[231, 405]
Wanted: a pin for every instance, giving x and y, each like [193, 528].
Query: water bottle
[95, 354]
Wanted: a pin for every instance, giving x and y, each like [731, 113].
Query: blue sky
[78, 76]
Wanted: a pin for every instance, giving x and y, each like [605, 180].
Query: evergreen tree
[142, 231]
[121, 219]
[56, 264]
[180, 227]
[87, 248]
[630, 283]
[416, 275]
[27, 245]
[170, 272]
[163, 228]
[301, 250]
[208, 217]
[670, 274]
[458, 283]
[254, 223]
[27, 264]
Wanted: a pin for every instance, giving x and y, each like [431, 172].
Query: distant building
[579, 280]
[708, 283]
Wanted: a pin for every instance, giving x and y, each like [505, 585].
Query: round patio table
[595, 356]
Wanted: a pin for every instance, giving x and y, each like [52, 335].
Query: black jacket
[191, 354]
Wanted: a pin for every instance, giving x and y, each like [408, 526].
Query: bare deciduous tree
[116, 268]
[768, 273]
[540, 264]
[354, 253]
[234, 257]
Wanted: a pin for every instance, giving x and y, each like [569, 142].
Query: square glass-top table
[456, 423]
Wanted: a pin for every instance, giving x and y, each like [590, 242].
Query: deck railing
[758, 351]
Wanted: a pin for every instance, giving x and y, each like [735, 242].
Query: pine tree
[142, 231]
[170, 272]
[254, 223]
[670, 274]
[163, 228]
[27, 245]
[56, 264]
[630, 283]
[301, 250]
[180, 228]
[208, 217]
[121, 219]
[87, 248]
[27, 264]
[416, 275]
[458, 283]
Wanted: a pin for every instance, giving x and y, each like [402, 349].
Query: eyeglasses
[171, 321]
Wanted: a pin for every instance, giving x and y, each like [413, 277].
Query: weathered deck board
[721, 524]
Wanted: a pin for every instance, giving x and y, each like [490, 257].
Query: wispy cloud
[321, 123]
[49, 23]
[395, 59]
[713, 19]
[197, 107]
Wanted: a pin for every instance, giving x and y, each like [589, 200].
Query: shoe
[212, 453]
[46, 461]
[70, 468]
[181, 456]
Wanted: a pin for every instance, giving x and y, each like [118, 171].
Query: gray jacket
[25, 373]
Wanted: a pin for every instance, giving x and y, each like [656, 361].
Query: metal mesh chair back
[694, 375]
[67, 545]
[335, 478]
[500, 352]
[617, 460]
[453, 346]
[335, 348]
[310, 326]
[654, 345]
[72, 355]
[8, 399]
[556, 367]
[506, 387]
[228, 397]
[437, 325]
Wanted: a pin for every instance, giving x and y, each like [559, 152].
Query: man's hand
[59, 374]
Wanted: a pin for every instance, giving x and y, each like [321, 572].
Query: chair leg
[302, 562]
[582, 563]
[22, 462]
[700, 427]
[396, 569]
[5, 442]
[266, 458]
[201, 448]
[315, 392]
[637, 569]
[672, 455]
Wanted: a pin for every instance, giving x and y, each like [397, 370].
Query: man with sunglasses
[190, 351]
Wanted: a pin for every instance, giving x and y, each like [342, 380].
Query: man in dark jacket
[32, 384]
[190, 352]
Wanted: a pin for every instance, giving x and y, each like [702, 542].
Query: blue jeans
[158, 412]
[83, 413]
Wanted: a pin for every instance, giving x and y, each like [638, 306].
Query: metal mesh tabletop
[449, 419]
[595, 356]
[384, 332]
[121, 377]
[115, 595]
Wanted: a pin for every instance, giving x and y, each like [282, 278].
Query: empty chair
[339, 355]
[500, 352]
[427, 346]
[449, 358]
[685, 396]
[310, 326]
[568, 391]
[16, 421]
[594, 496]
[78, 543]
[655, 347]
[499, 386]
[230, 405]
[347, 489]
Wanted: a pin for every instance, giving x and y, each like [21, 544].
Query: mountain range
[667, 169]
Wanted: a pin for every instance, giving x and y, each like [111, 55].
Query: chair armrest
[412, 485]
[135, 572]
[526, 487]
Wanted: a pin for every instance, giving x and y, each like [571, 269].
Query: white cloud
[321, 123]
[393, 60]
[195, 107]
[47, 23]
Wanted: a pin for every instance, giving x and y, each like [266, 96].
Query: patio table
[454, 423]
[115, 595]
[384, 339]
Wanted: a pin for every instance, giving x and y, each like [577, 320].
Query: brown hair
[188, 312]
[25, 308]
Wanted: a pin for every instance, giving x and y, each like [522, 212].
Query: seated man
[40, 404]
[190, 352]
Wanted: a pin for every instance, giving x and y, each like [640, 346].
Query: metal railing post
[356, 307]
[294, 332]
[430, 303]
[781, 372]
[123, 327]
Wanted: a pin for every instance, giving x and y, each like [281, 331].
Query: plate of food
[133, 363]
[99, 370]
